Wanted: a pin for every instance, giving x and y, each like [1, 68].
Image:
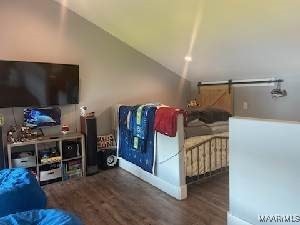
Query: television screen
[38, 84]
[42, 117]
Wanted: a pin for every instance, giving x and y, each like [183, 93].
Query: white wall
[111, 72]
[260, 102]
[264, 169]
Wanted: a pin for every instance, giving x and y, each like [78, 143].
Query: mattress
[197, 160]
[207, 114]
[194, 131]
[219, 127]
[198, 128]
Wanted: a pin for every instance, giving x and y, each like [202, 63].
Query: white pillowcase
[196, 123]
[219, 123]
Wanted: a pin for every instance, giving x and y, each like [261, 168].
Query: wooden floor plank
[115, 197]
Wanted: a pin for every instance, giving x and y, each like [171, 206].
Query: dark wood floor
[115, 197]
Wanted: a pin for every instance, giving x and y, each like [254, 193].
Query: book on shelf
[72, 169]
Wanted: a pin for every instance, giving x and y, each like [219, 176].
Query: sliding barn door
[216, 96]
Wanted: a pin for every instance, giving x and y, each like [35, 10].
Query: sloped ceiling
[236, 39]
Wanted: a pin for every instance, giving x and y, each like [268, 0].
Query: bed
[206, 135]
[198, 150]
[205, 156]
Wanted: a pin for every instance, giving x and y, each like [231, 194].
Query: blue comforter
[144, 157]
[41, 217]
[19, 191]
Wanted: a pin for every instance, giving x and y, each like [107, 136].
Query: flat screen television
[35, 84]
[42, 117]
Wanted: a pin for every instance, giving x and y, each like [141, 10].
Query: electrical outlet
[245, 106]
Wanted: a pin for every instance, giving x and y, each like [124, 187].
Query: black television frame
[14, 104]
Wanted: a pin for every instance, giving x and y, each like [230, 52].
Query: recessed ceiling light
[188, 58]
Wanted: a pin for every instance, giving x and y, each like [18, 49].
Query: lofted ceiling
[237, 39]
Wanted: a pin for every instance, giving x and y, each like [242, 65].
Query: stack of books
[72, 169]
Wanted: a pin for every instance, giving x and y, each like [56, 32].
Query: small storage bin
[50, 174]
[25, 162]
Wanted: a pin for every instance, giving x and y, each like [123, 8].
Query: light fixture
[278, 92]
[188, 58]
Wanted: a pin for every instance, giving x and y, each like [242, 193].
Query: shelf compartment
[72, 168]
[71, 149]
[25, 162]
[48, 153]
[51, 160]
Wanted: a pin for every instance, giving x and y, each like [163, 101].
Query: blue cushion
[19, 191]
[41, 217]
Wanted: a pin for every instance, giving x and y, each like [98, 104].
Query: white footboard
[169, 171]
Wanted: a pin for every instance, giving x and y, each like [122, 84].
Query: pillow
[219, 129]
[106, 141]
[208, 115]
[196, 123]
[219, 123]
[197, 131]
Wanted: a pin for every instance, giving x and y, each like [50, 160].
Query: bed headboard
[219, 96]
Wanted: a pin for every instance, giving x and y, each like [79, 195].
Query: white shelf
[48, 163]
[51, 139]
[70, 159]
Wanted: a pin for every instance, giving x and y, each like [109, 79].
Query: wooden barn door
[216, 96]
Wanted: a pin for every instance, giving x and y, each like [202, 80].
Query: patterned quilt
[144, 157]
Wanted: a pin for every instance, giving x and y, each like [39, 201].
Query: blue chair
[41, 217]
[19, 192]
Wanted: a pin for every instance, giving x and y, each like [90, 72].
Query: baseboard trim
[233, 220]
[178, 192]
